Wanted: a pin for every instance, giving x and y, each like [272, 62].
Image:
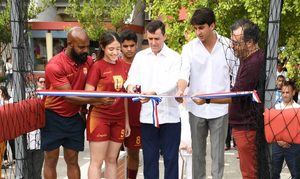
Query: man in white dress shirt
[207, 62]
[156, 70]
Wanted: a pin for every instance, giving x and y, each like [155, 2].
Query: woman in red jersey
[108, 125]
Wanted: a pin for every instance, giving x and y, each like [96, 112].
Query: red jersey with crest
[62, 70]
[108, 77]
[134, 108]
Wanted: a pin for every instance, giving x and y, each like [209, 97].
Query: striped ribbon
[155, 102]
[155, 99]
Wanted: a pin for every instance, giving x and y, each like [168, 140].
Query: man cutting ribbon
[156, 69]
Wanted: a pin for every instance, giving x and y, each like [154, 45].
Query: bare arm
[127, 126]
[86, 100]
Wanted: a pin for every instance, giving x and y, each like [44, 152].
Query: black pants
[34, 163]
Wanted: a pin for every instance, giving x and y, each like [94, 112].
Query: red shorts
[105, 130]
[134, 141]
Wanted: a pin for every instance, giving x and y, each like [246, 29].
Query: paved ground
[231, 166]
[232, 170]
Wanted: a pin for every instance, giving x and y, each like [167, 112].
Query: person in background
[35, 156]
[282, 150]
[8, 71]
[133, 142]
[279, 82]
[9, 153]
[281, 69]
[107, 126]
[5, 99]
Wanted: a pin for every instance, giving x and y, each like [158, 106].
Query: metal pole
[18, 13]
[272, 52]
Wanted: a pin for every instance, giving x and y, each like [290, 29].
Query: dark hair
[5, 94]
[203, 16]
[280, 76]
[290, 83]
[280, 63]
[154, 25]
[128, 35]
[8, 58]
[107, 38]
[250, 30]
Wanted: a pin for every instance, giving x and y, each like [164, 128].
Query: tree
[228, 11]
[5, 29]
[93, 13]
[5, 33]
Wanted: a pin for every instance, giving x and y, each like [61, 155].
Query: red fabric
[105, 130]
[134, 108]
[131, 174]
[62, 70]
[282, 125]
[134, 141]
[242, 109]
[22, 117]
[245, 143]
[108, 77]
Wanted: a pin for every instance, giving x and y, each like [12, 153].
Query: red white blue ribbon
[102, 94]
[155, 102]
[155, 99]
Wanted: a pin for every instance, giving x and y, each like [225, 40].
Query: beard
[79, 58]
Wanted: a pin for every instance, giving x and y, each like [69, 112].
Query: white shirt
[158, 73]
[283, 73]
[208, 73]
[34, 137]
[283, 106]
[8, 67]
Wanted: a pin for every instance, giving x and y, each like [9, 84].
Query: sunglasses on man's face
[41, 81]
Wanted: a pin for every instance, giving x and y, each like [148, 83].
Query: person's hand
[130, 89]
[145, 100]
[283, 144]
[183, 146]
[189, 150]
[179, 94]
[198, 101]
[127, 129]
[105, 101]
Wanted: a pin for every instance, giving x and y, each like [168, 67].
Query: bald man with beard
[64, 125]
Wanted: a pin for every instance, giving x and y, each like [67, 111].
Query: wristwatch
[207, 101]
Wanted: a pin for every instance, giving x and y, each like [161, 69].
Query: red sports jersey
[62, 70]
[108, 77]
[134, 108]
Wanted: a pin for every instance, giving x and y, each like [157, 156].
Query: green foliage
[227, 12]
[5, 33]
[93, 13]
[292, 53]
[5, 28]
[121, 12]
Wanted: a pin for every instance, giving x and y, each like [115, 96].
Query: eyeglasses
[236, 43]
[41, 81]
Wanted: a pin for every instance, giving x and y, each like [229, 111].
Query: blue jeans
[290, 155]
[164, 140]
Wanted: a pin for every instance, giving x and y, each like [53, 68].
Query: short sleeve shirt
[105, 76]
[134, 108]
[62, 70]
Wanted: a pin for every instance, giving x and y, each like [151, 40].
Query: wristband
[207, 101]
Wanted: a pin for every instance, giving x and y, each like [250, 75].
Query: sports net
[18, 119]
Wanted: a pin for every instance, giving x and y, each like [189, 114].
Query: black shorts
[62, 131]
